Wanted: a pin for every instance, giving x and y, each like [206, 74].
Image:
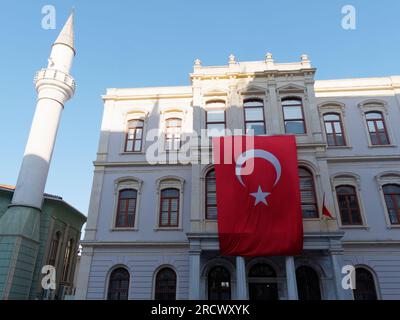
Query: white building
[152, 230]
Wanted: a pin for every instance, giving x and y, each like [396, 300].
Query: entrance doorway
[263, 282]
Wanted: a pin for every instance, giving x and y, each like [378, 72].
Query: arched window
[211, 195]
[334, 129]
[169, 208]
[55, 242]
[309, 206]
[118, 287]
[308, 284]
[262, 282]
[126, 210]
[254, 116]
[365, 285]
[215, 118]
[67, 259]
[377, 128]
[173, 128]
[293, 115]
[134, 136]
[348, 205]
[165, 286]
[392, 199]
[219, 284]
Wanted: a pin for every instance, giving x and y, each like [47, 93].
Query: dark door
[262, 282]
[308, 284]
[263, 291]
[219, 284]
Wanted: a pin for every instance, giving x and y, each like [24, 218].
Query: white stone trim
[167, 182]
[126, 183]
[353, 180]
[379, 106]
[338, 108]
[134, 115]
[388, 177]
[156, 271]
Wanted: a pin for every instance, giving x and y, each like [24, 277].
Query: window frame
[68, 259]
[126, 213]
[379, 106]
[374, 121]
[254, 107]
[123, 183]
[169, 182]
[301, 100]
[206, 205]
[316, 204]
[349, 179]
[334, 134]
[395, 202]
[134, 138]
[374, 278]
[349, 211]
[156, 273]
[173, 139]
[382, 179]
[208, 106]
[169, 198]
[115, 268]
[57, 238]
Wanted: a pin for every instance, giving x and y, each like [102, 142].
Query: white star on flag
[260, 196]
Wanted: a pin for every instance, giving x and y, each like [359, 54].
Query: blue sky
[123, 43]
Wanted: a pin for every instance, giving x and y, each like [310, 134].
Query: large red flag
[258, 196]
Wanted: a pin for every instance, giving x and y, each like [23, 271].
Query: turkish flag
[258, 196]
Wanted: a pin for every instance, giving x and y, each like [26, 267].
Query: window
[173, 134]
[219, 284]
[134, 136]
[377, 128]
[293, 116]
[215, 119]
[165, 285]
[169, 208]
[365, 285]
[67, 260]
[263, 282]
[211, 195]
[118, 287]
[348, 205]
[254, 116]
[55, 242]
[309, 205]
[334, 129]
[308, 284]
[126, 209]
[392, 199]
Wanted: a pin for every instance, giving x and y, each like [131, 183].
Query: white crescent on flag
[260, 196]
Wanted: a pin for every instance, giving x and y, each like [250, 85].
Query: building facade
[60, 232]
[152, 223]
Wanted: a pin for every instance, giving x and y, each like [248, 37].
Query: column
[194, 275]
[241, 280]
[291, 279]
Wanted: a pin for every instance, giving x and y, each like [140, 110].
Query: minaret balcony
[53, 77]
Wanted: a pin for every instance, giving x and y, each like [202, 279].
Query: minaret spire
[66, 35]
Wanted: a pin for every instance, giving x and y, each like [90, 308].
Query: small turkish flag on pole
[325, 212]
[258, 196]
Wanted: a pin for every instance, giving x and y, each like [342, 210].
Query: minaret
[20, 224]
